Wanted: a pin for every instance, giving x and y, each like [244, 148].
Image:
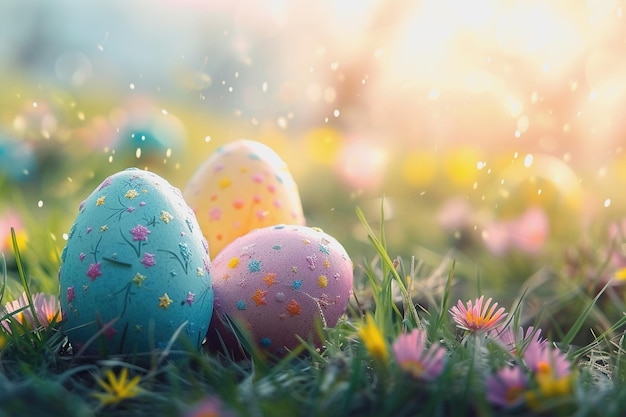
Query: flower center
[478, 321]
[416, 368]
[513, 394]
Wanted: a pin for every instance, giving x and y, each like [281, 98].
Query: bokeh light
[488, 124]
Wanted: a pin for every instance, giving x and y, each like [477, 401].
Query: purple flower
[94, 271]
[47, 308]
[190, 298]
[47, 311]
[543, 359]
[412, 355]
[140, 232]
[148, 260]
[71, 294]
[511, 341]
[506, 388]
[109, 331]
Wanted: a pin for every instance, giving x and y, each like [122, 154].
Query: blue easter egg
[135, 269]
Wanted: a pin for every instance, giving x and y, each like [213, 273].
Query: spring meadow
[334, 208]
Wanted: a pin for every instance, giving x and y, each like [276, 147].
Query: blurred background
[491, 131]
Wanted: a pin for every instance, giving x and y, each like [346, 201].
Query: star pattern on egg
[166, 217]
[259, 297]
[191, 297]
[138, 279]
[293, 308]
[295, 275]
[165, 301]
[270, 279]
[254, 265]
[93, 271]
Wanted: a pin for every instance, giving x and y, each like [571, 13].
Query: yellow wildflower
[374, 340]
[116, 389]
[549, 386]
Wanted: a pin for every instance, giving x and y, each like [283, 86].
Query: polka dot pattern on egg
[242, 186]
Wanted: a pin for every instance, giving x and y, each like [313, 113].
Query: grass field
[406, 346]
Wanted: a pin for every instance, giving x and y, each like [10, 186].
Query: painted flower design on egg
[149, 267]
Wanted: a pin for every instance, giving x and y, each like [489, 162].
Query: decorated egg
[148, 131]
[277, 282]
[244, 185]
[18, 161]
[135, 269]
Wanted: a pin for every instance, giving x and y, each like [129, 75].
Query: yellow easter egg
[242, 186]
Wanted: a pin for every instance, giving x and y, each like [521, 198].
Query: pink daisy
[412, 355]
[476, 317]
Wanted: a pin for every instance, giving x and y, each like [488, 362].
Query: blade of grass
[168, 348]
[620, 362]
[4, 277]
[586, 349]
[578, 324]
[371, 277]
[443, 308]
[391, 274]
[22, 275]
[382, 237]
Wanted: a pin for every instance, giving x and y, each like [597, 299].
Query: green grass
[40, 375]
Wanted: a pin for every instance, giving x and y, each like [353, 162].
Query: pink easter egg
[277, 282]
